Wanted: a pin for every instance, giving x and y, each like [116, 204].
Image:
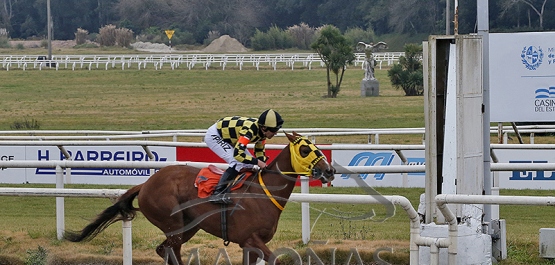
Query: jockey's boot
[219, 195]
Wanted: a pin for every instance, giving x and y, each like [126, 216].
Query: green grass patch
[191, 99]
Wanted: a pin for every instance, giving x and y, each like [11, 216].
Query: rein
[276, 203]
[301, 165]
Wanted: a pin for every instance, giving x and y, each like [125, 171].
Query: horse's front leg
[254, 248]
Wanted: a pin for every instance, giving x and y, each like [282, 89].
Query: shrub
[4, 43]
[81, 36]
[302, 35]
[124, 37]
[25, 125]
[152, 34]
[275, 38]
[92, 36]
[107, 35]
[407, 74]
[281, 39]
[179, 37]
[36, 257]
[260, 41]
[20, 46]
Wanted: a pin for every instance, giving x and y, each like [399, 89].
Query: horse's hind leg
[256, 245]
[170, 249]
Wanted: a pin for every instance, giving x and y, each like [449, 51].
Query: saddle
[208, 178]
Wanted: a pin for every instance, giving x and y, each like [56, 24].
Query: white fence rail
[442, 200]
[416, 240]
[373, 134]
[174, 61]
[126, 225]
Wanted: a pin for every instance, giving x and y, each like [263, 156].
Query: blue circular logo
[532, 57]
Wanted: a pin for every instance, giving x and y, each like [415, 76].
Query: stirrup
[220, 198]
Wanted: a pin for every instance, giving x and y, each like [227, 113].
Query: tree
[336, 53]
[415, 16]
[538, 6]
[407, 74]
[6, 13]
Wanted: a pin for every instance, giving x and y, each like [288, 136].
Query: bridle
[304, 165]
[301, 165]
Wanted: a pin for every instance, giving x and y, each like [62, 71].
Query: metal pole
[49, 29]
[483, 30]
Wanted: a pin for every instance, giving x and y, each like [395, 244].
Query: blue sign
[530, 175]
[370, 159]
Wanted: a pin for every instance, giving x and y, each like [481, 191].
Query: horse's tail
[121, 210]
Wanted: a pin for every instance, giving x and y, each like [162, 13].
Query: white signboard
[133, 176]
[378, 158]
[541, 180]
[119, 176]
[507, 179]
[12, 175]
[522, 76]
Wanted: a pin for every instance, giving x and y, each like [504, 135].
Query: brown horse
[169, 200]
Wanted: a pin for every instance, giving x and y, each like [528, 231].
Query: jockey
[228, 138]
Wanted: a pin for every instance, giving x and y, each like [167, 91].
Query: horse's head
[308, 159]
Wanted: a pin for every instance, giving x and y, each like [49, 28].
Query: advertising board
[130, 176]
[122, 176]
[522, 77]
[379, 158]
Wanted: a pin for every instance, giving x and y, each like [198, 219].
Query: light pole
[49, 29]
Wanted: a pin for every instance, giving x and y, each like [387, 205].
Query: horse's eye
[305, 150]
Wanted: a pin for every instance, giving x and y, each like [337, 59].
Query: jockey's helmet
[271, 120]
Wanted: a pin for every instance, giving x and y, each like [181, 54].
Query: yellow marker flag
[169, 33]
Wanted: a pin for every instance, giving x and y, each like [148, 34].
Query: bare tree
[6, 13]
[537, 5]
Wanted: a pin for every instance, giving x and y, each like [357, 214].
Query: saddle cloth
[208, 178]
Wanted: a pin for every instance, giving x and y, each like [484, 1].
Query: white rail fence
[126, 225]
[451, 241]
[174, 61]
[416, 240]
[373, 134]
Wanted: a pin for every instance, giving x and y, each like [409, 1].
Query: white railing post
[60, 208]
[127, 243]
[305, 211]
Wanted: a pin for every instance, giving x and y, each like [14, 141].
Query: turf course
[193, 99]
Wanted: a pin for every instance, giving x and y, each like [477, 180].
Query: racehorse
[170, 201]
